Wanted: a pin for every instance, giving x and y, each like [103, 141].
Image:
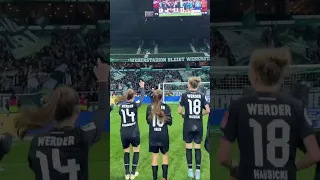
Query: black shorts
[193, 136]
[155, 149]
[127, 140]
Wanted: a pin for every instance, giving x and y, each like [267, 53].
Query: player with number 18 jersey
[193, 102]
[268, 127]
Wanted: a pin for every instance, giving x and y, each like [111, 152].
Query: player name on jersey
[128, 124]
[223, 98]
[269, 110]
[266, 174]
[194, 117]
[194, 96]
[56, 141]
[126, 106]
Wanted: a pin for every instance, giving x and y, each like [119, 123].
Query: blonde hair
[194, 82]
[270, 64]
[129, 94]
[156, 106]
[63, 103]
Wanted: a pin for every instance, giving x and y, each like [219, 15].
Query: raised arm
[93, 130]
[142, 93]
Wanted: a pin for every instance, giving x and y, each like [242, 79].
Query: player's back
[267, 133]
[193, 103]
[158, 131]
[61, 154]
[129, 119]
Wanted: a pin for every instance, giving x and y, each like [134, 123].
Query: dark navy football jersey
[62, 154]
[193, 103]
[129, 117]
[268, 128]
[158, 131]
[128, 112]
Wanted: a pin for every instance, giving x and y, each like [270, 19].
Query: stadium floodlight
[228, 83]
[177, 88]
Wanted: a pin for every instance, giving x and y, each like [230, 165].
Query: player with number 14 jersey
[62, 153]
[129, 130]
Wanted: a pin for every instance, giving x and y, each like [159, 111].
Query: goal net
[173, 90]
[228, 83]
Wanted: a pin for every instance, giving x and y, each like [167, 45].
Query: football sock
[165, 170]
[189, 158]
[198, 158]
[155, 172]
[135, 161]
[127, 162]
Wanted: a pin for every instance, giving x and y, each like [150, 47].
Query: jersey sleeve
[229, 124]
[142, 94]
[204, 101]
[168, 115]
[148, 114]
[181, 101]
[304, 122]
[32, 152]
[92, 131]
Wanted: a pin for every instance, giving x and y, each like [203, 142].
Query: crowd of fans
[64, 48]
[153, 79]
[161, 65]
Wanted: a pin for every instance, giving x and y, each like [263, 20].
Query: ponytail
[33, 118]
[129, 94]
[156, 107]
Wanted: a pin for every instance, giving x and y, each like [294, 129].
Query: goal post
[228, 83]
[171, 91]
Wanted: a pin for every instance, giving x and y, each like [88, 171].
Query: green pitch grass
[177, 15]
[15, 164]
[220, 172]
[177, 159]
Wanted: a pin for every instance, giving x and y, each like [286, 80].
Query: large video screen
[178, 8]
